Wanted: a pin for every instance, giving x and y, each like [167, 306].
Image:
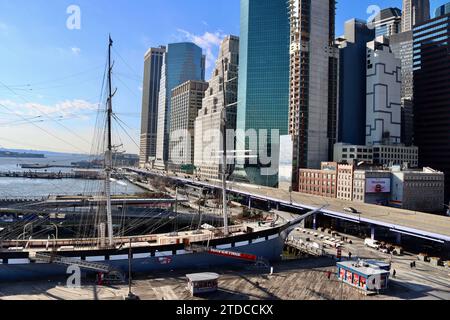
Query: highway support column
[398, 238]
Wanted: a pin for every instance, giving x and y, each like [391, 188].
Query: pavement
[423, 282]
[300, 279]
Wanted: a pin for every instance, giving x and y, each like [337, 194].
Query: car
[374, 244]
[351, 210]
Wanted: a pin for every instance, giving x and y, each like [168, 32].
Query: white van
[372, 243]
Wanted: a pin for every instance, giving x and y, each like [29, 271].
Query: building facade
[414, 12]
[182, 62]
[421, 190]
[350, 153]
[372, 186]
[345, 182]
[405, 188]
[383, 124]
[352, 82]
[186, 101]
[322, 182]
[263, 91]
[208, 125]
[387, 22]
[153, 62]
[396, 155]
[432, 94]
[401, 45]
[383, 155]
[314, 83]
[442, 10]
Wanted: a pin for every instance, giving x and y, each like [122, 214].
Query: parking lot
[425, 281]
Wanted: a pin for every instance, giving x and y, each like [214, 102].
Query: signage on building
[378, 185]
[331, 166]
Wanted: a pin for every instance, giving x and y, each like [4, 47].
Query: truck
[374, 244]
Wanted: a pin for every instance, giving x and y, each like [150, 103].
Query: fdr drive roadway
[417, 224]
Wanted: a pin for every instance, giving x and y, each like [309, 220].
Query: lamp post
[131, 295]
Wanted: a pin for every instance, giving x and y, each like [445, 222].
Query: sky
[52, 61]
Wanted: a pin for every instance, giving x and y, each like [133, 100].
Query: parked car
[374, 244]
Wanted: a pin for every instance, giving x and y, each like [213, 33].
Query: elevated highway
[416, 224]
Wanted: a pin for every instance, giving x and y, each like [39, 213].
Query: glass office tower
[182, 62]
[153, 62]
[432, 94]
[352, 97]
[263, 95]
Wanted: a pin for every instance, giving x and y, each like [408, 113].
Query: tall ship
[109, 248]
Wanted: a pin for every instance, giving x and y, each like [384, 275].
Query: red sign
[165, 260]
[236, 255]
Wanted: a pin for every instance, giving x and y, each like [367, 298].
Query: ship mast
[108, 153]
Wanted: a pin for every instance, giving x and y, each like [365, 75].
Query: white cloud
[208, 41]
[4, 29]
[65, 108]
[76, 51]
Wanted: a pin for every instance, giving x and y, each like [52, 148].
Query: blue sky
[49, 69]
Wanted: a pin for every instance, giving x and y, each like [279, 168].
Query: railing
[305, 247]
[52, 258]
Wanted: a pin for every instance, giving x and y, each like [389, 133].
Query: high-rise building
[414, 12]
[186, 101]
[263, 93]
[208, 126]
[387, 22]
[383, 125]
[182, 62]
[432, 94]
[442, 10]
[313, 85]
[153, 62]
[401, 45]
[352, 82]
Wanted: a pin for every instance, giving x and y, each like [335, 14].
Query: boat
[254, 243]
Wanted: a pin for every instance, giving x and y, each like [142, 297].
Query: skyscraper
[263, 98]
[182, 62]
[402, 46]
[313, 83]
[414, 12]
[352, 82]
[153, 62]
[186, 101]
[208, 142]
[388, 22]
[383, 125]
[432, 94]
